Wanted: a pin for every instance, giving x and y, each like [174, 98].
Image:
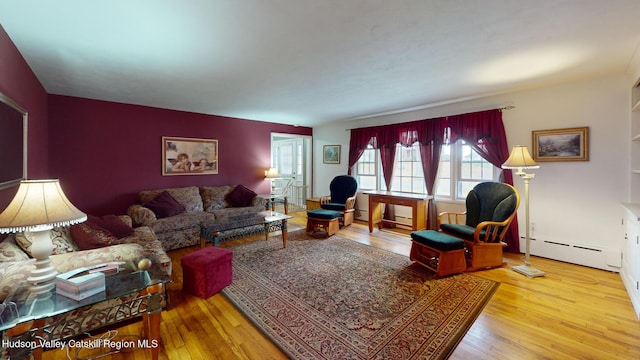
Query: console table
[417, 202]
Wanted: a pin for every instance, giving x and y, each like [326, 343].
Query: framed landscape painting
[189, 156]
[561, 144]
[331, 154]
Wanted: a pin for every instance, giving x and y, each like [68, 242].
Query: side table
[40, 320]
[313, 203]
[273, 199]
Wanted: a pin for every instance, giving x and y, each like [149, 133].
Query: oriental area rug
[338, 299]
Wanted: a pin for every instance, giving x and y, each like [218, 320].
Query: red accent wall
[18, 82]
[104, 153]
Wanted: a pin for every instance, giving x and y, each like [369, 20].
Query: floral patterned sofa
[16, 264]
[174, 213]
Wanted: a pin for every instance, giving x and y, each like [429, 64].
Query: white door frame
[306, 158]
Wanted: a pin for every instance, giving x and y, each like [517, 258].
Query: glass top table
[242, 225]
[21, 306]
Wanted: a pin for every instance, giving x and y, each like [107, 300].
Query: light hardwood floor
[574, 312]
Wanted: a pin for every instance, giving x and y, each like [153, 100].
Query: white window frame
[455, 174]
[455, 185]
[413, 181]
[377, 169]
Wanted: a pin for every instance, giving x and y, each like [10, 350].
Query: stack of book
[81, 283]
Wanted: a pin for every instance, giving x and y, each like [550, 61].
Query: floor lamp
[520, 159]
[37, 207]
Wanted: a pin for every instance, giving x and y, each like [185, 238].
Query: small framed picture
[561, 144]
[189, 156]
[331, 154]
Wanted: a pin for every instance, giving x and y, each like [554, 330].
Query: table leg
[284, 233]
[152, 318]
[375, 213]
[154, 333]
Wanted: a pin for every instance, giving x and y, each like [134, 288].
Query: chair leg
[347, 218]
[486, 256]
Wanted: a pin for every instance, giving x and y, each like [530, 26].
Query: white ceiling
[308, 62]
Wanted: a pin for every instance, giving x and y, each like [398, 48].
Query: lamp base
[42, 277]
[528, 271]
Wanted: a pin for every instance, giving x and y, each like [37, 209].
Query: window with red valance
[483, 131]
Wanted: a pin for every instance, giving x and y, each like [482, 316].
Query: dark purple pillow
[164, 205]
[110, 223]
[241, 196]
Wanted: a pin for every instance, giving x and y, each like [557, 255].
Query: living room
[105, 152]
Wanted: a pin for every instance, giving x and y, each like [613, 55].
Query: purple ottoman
[206, 271]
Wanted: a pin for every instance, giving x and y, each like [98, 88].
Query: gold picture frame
[189, 156]
[570, 144]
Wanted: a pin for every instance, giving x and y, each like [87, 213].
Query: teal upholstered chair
[343, 197]
[491, 206]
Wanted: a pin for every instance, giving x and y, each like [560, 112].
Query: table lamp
[39, 206]
[520, 159]
[272, 174]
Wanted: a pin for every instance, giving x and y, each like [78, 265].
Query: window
[460, 169]
[407, 170]
[367, 169]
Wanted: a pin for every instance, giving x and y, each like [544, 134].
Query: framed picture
[187, 156]
[331, 154]
[561, 144]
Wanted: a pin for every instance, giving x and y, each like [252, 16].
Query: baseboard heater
[606, 259]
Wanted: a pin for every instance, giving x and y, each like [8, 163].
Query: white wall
[571, 202]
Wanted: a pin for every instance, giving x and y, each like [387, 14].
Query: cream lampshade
[39, 206]
[520, 159]
[272, 174]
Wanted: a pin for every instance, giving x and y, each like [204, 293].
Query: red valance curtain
[484, 131]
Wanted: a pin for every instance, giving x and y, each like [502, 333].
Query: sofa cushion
[164, 205]
[88, 237]
[110, 223]
[10, 251]
[241, 196]
[189, 197]
[215, 197]
[60, 237]
[180, 222]
[120, 252]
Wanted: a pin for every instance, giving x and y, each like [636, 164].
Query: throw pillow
[60, 237]
[110, 223]
[10, 251]
[241, 196]
[164, 205]
[88, 237]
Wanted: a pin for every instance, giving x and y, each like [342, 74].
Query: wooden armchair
[491, 207]
[343, 198]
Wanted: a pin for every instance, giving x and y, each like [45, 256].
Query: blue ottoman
[321, 220]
